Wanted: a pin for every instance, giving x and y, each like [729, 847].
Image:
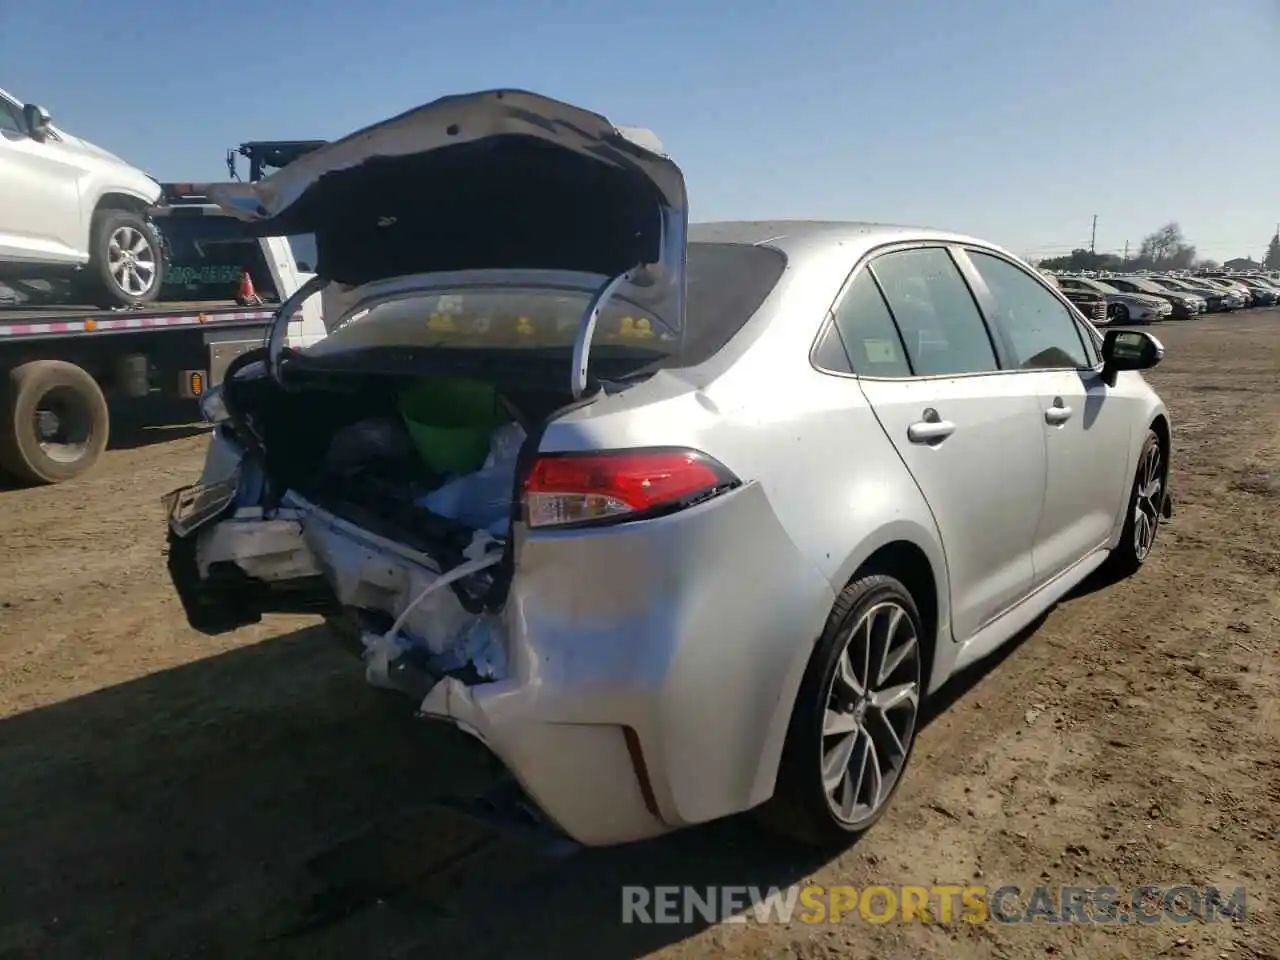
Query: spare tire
[53, 422]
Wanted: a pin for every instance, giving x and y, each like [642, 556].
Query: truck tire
[53, 422]
[126, 259]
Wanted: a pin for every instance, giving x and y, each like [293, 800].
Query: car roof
[795, 238]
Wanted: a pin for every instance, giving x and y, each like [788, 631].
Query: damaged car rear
[675, 521]
[486, 477]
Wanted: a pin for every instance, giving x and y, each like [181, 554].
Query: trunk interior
[358, 520]
[345, 446]
[355, 517]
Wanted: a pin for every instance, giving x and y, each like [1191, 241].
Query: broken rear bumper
[652, 669]
[647, 673]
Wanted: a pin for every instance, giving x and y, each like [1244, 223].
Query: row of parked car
[1152, 297]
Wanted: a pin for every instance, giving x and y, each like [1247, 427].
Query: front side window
[1041, 330]
[941, 328]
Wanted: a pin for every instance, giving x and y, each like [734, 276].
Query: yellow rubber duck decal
[442, 323]
[636, 329]
[524, 327]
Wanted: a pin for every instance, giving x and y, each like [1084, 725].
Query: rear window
[209, 254]
[725, 285]
[303, 246]
[207, 257]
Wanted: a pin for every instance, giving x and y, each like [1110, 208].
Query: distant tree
[1166, 249]
[1081, 259]
[1273, 253]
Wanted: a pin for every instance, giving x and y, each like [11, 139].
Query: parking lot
[167, 794]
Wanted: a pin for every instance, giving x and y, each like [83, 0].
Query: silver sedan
[676, 521]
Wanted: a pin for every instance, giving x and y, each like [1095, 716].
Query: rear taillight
[591, 488]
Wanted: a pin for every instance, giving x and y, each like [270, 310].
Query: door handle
[1058, 414]
[930, 431]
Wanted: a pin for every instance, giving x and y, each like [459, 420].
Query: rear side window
[866, 328]
[1041, 330]
[940, 324]
[303, 246]
[726, 283]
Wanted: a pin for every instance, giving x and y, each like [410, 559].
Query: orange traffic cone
[246, 296]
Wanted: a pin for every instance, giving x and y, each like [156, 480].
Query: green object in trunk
[450, 422]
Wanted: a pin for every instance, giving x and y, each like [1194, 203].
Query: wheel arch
[1160, 424]
[906, 552]
[116, 200]
[907, 562]
[913, 554]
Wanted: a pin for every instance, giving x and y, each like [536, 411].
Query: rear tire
[853, 726]
[1145, 510]
[54, 422]
[126, 259]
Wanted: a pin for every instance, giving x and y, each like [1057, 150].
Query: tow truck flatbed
[21, 322]
[66, 368]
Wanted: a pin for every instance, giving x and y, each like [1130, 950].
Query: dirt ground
[164, 794]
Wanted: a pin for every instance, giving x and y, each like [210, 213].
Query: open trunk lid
[477, 237]
[472, 189]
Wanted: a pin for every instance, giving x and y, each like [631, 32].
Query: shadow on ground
[131, 429]
[266, 802]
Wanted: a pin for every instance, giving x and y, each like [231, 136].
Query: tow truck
[66, 368]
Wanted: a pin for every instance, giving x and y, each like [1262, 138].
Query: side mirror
[38, 121]
[1128, 350]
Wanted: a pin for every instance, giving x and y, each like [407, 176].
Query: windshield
[725, 285]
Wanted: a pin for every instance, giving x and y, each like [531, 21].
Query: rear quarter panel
[833, 491]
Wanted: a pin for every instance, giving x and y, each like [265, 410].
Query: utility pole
[1093, 236]
[1126, 253]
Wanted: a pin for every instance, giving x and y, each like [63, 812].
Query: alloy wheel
[131, 258]
[871, 712]
[1147, 503]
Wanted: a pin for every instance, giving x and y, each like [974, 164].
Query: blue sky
[1016, 120]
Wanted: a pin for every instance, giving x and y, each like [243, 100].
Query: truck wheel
[126, 260]
[54, 422]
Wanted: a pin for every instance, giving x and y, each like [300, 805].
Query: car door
[968, 433]
[39, 195]
[1087, 425]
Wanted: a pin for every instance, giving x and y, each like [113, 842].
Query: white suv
[68, 208]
